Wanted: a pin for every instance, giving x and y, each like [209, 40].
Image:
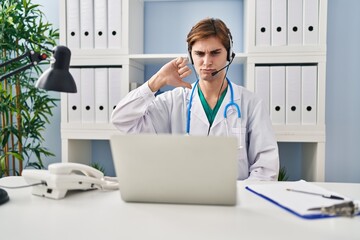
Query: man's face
[209, 55]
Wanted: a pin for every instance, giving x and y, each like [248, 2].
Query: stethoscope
[231, 103]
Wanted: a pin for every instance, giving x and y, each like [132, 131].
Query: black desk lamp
[56, 78]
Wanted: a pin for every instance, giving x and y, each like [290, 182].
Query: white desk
[103, 215]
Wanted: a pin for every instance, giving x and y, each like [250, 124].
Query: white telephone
[62, 177]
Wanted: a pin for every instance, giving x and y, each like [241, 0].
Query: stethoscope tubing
[232, 102]
[189, 107]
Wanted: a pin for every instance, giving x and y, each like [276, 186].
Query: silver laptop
[176, 168]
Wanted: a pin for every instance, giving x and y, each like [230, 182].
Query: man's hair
[209, 27]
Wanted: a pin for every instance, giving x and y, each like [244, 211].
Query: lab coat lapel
[230, 110]
[197, 110]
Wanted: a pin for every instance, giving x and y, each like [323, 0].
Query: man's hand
[171, 74]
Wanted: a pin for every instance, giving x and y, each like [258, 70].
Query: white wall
[342, 92]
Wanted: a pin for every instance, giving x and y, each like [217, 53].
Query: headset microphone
[217, 71]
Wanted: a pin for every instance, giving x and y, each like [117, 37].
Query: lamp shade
[57, 77]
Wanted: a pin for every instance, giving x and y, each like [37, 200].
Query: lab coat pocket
[240, 134]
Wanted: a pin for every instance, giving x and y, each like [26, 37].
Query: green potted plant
[24, 109]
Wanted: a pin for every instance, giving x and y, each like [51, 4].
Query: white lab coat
[141, 111]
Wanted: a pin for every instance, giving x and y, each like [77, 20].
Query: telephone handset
[74, 168]
[62, 177]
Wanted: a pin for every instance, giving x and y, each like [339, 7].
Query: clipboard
[295, 202]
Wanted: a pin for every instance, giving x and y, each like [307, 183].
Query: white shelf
[133, 61]
[87, 131]
[164, 58]
[296, 133]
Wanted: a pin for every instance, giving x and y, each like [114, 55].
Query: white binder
[114, 23]
[115, 78]
[293, 94]
[101, 95]
[87, 95]
[87, 24]
[100, 23]
[311, 22]
[263, 11]
[262, 84]
[74, 99]
[277, 94]
[278, 22]
[309, 95]
[73, 24]
[295, 22]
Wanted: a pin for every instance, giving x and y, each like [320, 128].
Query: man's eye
[215, 53]
[200, 54]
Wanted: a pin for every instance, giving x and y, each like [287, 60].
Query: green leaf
[282, 174]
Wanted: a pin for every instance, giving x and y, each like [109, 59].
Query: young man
[213, 105]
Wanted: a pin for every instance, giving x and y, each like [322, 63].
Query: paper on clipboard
[294, 202]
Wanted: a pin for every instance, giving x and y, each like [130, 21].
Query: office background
[342, 99]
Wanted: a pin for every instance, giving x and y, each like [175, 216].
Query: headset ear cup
[190, 58]
[230, 53]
